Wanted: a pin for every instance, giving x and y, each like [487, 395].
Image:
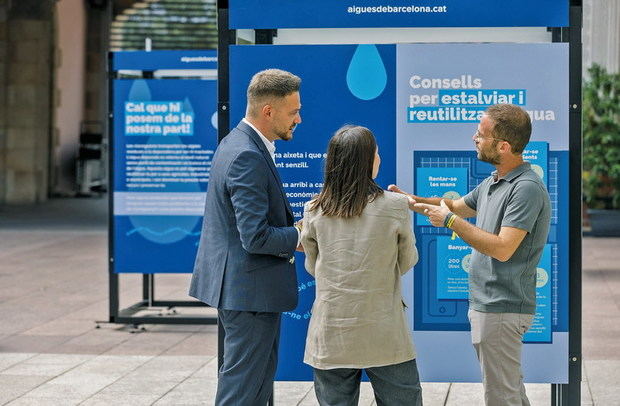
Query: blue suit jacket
[244, 259]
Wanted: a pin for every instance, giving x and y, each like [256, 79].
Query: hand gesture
[436, 214]
[410, 197]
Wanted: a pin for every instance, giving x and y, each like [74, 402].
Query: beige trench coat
[358, 319]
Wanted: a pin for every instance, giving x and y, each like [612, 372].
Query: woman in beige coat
[358, 242]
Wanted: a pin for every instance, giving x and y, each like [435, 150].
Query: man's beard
[286, 135]
[487, 157]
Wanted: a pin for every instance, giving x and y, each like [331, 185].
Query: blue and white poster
[447, 183]
[397, 13]
[540, 330]
[164, 140]
[341, 84]
[442, 90]
[453, 262]
[423, 102]
[536, 153]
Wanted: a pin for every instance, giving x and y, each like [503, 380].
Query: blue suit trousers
[250, 357]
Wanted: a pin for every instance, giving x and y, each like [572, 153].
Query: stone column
[27, 92]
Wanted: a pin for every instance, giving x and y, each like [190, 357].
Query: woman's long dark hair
[348, 183]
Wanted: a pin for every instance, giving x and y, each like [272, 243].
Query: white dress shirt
[271, 146]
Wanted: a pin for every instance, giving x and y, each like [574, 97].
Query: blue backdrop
[383, 87]
[343, 84]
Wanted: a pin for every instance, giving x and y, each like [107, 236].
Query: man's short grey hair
[512, 124]
[268, 85]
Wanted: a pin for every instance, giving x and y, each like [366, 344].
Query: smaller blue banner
[164, 139]
[449, 183]
[453, 264]
[536, 153]
[143, 60]
[540, 331]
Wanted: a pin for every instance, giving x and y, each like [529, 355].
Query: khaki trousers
[497, 339]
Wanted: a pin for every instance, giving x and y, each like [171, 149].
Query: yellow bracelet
[451, 221]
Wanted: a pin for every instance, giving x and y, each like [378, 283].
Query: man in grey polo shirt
[512, 212]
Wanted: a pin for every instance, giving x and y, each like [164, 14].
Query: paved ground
[53, 288]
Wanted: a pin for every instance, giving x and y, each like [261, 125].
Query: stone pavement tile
[87, 379]
[181, 328]
[538, 393]
[593, 328]
[61, 326]
[116, 399]
[76, 390]
[105, 365]
[15, 244]
[208, 371]
[465, 394]
[290, 393]
[586, 396]
[175, 369]
[148, 343]
[601, 306]
[96, 341]
[136, 386]
[8, 359]
[63, 400]
[435, 393]
[608, 264]
[602, 349]
[24, 343]
[200, 343]
[367, 397]
[309, 399]
[46, 365]
[192, 391]
[14, 386]
[604, 381]
[96, 311]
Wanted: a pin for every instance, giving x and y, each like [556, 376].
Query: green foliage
[601, 139]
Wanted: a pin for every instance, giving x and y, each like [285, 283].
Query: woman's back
[358, 319]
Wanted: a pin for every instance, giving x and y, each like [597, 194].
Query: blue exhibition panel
[441, 92]
[397, 13]
[341, 84]
[164, 138]
[423, 102]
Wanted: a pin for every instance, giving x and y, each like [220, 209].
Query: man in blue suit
[245, 261]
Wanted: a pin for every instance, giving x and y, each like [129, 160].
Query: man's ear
[267, 111]
[506, 148]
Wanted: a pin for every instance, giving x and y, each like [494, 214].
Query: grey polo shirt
[518, 200]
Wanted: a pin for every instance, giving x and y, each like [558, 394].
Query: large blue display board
[335, 90]
[441, 91]
[397, 13]
[164, 139]
[423, 103]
